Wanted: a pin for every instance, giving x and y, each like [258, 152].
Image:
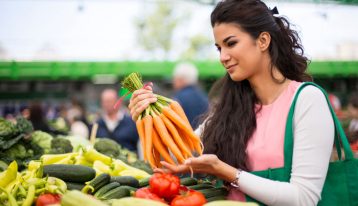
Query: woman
[245, 130]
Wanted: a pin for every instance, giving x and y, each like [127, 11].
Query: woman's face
[239, 52]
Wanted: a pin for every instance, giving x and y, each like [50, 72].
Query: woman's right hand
[140, 100]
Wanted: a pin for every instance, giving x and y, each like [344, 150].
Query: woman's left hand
[207, 163]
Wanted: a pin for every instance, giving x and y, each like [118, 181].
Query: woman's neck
[267, 89]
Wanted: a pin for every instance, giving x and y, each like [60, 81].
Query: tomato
[165, 185]
[48, 199]
[146, 193]
[189, 198]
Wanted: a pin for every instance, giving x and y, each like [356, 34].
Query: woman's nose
[224, 56]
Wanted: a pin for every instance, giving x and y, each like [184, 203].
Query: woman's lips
[230, 69]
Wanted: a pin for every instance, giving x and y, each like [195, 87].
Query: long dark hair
[232, 120]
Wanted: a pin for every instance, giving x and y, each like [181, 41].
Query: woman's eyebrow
[225, 40]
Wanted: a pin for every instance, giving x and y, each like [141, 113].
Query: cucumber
[220, 191]
[116, 193]
[126, 180]
[131, 189]
[74, 186]
[144, 182]
[98, 182]
[69, 173]
[201, 186]
[106, 188]
[210, 199]
[188, 181]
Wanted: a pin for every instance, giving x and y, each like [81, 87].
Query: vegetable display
[16, 142]
[48, 199]
[24, 188]
[164, 185]
[163, 129]
[189, 198]
[70, 171]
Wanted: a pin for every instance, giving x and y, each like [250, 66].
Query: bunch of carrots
[164, 129]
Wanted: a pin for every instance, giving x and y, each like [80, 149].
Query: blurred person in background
[187, 92]
[9, 112]
[82, 109]
[353, 124]
[336, 104]
[116, 123]
[25, 111]
[77, 126]
[37, 118]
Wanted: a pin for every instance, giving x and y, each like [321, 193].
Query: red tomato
[165, 185]
[189, 198]
[48, 199]
[146, 193]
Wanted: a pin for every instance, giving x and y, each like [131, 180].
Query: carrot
[156, 156]
[168, 112]
[148, 130]
[181, 145]
[161, 148]
[166, 138]
[176, 107]
[140, 129]
[186, 139]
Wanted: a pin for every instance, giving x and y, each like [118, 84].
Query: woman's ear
[264, 40]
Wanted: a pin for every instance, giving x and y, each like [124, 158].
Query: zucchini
[134, 201]
[75, 198]
[131, 189]
[98, 182]
[201, 186]
[220, 191]
[74, 186]
[188, 181]
[106, 188]
[210, 199]
[116, 193]
[126, 180]
[144, 182]
[69, 173]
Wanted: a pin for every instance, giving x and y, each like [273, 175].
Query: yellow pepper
[11, 199]
[34, 165]
[80, 160]
[52, 158]
[9, 174]
[92, 155]
[30, 196]
[136, 173]
[100, 167]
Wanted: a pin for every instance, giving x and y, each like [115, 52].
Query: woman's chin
[236, 78]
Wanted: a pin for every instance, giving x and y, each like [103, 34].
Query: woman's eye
[218, 48]
[231, 43]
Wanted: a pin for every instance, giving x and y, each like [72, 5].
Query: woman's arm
[313, 142]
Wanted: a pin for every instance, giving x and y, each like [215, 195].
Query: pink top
[265, 148]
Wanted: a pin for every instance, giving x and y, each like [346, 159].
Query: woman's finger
[175, 168]
[162, 170]
[140, 101]
[134, 99]
[148, 86]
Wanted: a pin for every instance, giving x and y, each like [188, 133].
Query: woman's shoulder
[311, 93]
[311, 98]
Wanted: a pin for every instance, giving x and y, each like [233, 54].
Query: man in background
[116, 124]
[187, 92]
